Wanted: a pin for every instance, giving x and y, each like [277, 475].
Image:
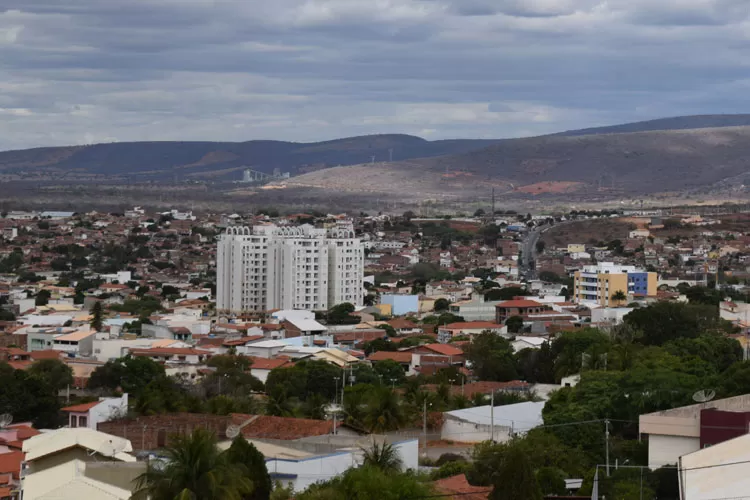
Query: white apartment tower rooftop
[288, 267]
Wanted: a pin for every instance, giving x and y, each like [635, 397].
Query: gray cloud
[83, 71]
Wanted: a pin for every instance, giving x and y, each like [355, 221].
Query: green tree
[382, 456]
[389, 372]
[231, 376]
[384, 411]
[28, 398]
[369, 483]
[507, 293]
[193, 469]
[253, 462]
[492, 358]
[131, 374]
[96, 316]
[42, 298]
[441, 305]
[619, 297]
[53, 372]
[515, 479]
[341, 314]
[514, 324]
[665, 321]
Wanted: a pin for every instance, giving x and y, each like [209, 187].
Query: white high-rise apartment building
[288, 267]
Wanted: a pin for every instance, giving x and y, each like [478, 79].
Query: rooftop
[518, 303]
[288, 428]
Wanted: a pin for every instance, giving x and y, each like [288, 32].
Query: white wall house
[719, 471]
[474, 425]
[57, 461]
[284, 267]
[677, 432]
[303, 472]
[90, 415]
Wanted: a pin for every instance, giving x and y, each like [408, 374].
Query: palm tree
[194, 469]
[619, 297]
[382, 456]
[279, 405]
[384, 412]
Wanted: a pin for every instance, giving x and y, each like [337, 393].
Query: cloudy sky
[82, 71]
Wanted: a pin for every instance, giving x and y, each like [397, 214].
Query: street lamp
[393, 384]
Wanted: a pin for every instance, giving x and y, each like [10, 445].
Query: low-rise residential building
[679, 431]
[714, 472]
[474, 425]
[468, 328]
[57, 466]
[92, 414]
[518, 307]
[475, 309]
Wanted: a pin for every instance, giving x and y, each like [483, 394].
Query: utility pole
[390, 155]
[606, 443]
[492, 417]
[424, 424]
[493, 203]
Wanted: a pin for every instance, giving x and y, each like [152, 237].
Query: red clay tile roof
[209, 341]
[24, 431]
[471, 325]
[242, 340]
[170, 351]
[280, 427]
[444, 349]
[400, 323]
[5, 492]
[47, 354]
[20, 365]
[81, 408]
[399, 357]
[519, 303]
[10, 463]
[458, 488]
[269, 364]
[355, 336]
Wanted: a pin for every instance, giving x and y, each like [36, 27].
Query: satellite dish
[704, 396]
[5, 420]
[233, 431]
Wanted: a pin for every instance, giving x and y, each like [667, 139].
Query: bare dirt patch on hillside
[587, 231]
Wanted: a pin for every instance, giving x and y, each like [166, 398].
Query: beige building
[680, 431]
[719, 471]
[79, 464]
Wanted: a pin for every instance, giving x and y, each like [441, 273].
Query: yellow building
[576, 247]
[601, 283]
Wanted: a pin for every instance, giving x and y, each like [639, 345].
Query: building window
[82, 421]
[73, 421]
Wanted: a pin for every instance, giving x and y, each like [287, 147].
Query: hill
[164, 160]
[674, 123]
[640, 162]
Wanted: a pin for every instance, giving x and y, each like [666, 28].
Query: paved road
[528, 251]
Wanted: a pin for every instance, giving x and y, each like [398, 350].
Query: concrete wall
[302, 473]
[401, 304]
[51, 472]
[468, 432]
[666, 450]
[700, 479]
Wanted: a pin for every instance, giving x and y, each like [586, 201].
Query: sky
[87, 71]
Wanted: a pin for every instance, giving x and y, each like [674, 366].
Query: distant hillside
[671, 154]
[221, 159]
[640, 162]
[676, 123]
